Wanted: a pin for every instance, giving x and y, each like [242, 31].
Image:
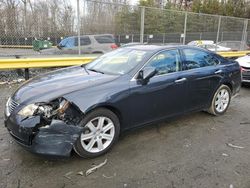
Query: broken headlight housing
[28, 110]
[59, 109]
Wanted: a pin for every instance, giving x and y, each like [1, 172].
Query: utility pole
[25, 16]
[162, 4]
[142, 24]
[78, 27]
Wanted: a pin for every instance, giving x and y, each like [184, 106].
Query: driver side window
[166, 62]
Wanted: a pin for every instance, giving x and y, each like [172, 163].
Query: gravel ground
[188, 152]
[9, 76]
[12, 52]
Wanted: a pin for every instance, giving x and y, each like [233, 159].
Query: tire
[103, 130]
[219, 104]
[245, 84]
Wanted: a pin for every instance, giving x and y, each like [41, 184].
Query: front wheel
[221, 101]
[102, 132]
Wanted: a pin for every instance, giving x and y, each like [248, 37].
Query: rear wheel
[221, 101]
[102, 132]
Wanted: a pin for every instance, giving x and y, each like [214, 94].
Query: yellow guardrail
[43, 62]
[234, 54]
[70, 61]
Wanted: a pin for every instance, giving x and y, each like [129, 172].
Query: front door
[165, 93]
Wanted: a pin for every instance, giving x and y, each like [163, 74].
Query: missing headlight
[59, 109]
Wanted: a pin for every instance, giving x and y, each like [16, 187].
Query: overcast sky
[131, 2]
[74, 3]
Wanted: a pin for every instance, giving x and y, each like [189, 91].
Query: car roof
[151, 47]
[155, 48]
[92, 35]
[236, 41]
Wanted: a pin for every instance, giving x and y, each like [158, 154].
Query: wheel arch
[110, 107]
[97, 52]
[229, 85]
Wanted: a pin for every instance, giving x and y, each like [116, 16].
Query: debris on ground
[231, 186]
[80, 173]
[67, 175]
[109, 176]
[225, 155]
[235, 146]
[93, 169]
[12, 82]
[245, 123]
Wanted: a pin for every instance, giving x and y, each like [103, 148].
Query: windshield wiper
[86, 70]
[94, 70]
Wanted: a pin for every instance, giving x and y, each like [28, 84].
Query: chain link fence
[23, 22]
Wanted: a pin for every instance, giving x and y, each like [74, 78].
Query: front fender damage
[56, 140]
[54, 128]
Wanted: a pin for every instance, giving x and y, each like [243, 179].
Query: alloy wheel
[222, 100]
[99, 134]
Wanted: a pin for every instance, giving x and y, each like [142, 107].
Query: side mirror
[145, 75]
[60, 46]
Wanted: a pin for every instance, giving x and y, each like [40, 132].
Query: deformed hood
[58, 83]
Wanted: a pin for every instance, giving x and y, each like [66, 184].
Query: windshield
[120, 61]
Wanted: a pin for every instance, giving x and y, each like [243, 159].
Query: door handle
[180, 80]
[218, 72]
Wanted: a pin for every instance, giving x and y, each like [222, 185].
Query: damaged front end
[46, 128]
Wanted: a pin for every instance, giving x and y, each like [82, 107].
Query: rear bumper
[246, 77]
[245, 81]
[55, 140]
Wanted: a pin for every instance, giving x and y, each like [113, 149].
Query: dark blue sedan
[86, 107]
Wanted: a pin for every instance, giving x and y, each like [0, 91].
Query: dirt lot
[190, 151]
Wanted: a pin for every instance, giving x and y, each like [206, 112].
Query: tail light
[242, 69]
[114, 46]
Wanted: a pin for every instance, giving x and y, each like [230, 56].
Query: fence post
[142, 24]
[78, 27]
[185, 29]
[218, 34]
[244, 34]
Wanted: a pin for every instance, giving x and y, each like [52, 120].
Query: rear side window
[83, 41]
[166, 62]
[104, 39]
[196, 59]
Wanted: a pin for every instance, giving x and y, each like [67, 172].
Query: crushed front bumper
[54, 140]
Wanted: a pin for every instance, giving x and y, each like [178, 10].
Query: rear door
[203, 72]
